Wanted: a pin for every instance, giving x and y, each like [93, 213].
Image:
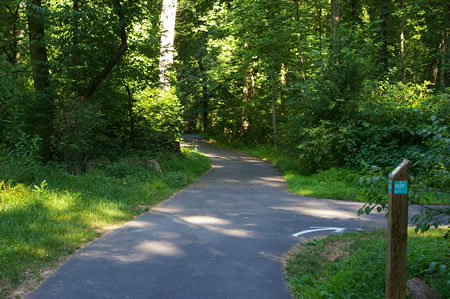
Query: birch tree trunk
[168, 16]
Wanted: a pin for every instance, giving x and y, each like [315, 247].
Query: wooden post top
[400, 172]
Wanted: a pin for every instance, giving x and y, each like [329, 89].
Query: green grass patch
[334, 183]
[47, 213]
[353, 265]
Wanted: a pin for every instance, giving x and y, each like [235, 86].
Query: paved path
[221, 237]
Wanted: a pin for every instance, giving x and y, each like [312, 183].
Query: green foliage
[405, 121]
[390, 123]
[26, 149]
[374, 182]
[353, 265]
[77, 132]
[12, 94]
[80, 41]
[52, 214]
[160, 118]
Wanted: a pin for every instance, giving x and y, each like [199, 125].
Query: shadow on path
[222, 237]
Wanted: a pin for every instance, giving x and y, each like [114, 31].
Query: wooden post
[397, 232]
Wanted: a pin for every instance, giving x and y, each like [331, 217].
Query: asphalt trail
[222, 237]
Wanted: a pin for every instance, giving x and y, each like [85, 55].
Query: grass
[352, 265]
[334, 183]
[47, 214]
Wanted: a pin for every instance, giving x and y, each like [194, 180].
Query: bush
[159, 119]
[78, 132]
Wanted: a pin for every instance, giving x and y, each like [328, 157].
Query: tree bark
[168, 18]
[419, 289]
[114, 59]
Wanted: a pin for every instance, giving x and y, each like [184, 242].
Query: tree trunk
[444, 64]
[168, 18]
[419, 289]
[300, 50]
[114, 59]
[205, 95]
[130, 112]
[402, 44]
[444, 51]
[354, 4]
[38, 51]
[274, 114]
[245, 77]
[335, 20]
[383, 35]
[319, 21]
[42, 109]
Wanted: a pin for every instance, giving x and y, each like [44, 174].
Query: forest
[354, 84]
[341, 83]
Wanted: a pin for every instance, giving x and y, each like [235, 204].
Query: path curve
[221, 237]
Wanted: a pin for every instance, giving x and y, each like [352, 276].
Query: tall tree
[42, 109]
[205, 93]
[38, 50]
[168, 18]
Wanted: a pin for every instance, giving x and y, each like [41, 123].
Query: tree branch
[89, 90]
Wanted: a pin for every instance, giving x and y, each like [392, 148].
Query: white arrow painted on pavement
[318, 229]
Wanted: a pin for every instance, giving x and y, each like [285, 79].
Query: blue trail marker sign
[397, 232]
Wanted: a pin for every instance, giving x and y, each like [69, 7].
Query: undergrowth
[47, 213]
